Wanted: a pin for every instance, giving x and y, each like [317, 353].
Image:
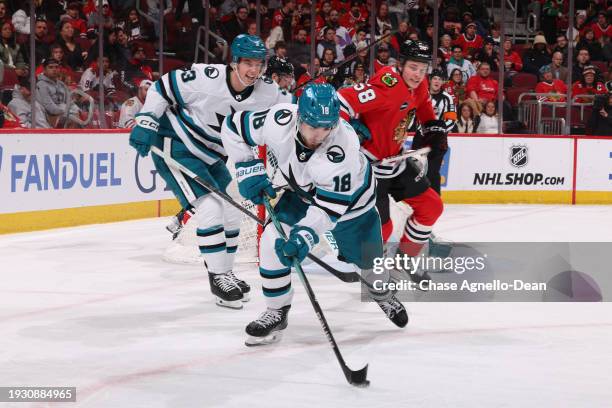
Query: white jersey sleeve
[129, 109]
[241, 131]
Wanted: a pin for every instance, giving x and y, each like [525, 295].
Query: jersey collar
[239, 96]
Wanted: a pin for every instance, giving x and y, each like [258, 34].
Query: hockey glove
[144, 133]
[435, 135]
[300, 243]
[253, 182]
[362, 130]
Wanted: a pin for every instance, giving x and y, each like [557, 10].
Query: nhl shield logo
[283, 117]
[518, 155]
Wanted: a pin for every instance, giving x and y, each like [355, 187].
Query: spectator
[329, 41]
[362, 58]
[252, 28]
[496, 36]
[4, 14]
[283, 18]
[427, 36]
[280, 49]
[489, 120]
[452, 25]
[53, 94]
[383, 21]
[549, 85]
[343, 36]
[444, 49]
[276, 35]
[551, 11]
[355, 18]
[1, 71]
[93, 17]
[132, 106]
[588, 41]
[588, 85]
[482, 87]
[559, 71]
[477, 9]
[488, 54]
[41, 47]
[468, 120]
[583, 59]
[196, 11]
[236, 25]
[512, 60]
[455, 87]
[358, 75]
[383, 58]
[73, 17]
[470, 42]
[360, 35]
[22, 71]
[122, 48]
[153, 12]
[90, 80]
[21, 105]
[11, 52]
[562, 46]
[135, 69]
[579, 24]
[457, 61]
[57, 53]
[110, 48]
[537, 56]
[298, 51]
[601, 28]
[322, 17]
[303, 75]
[601, 119]
[134, 26]
[73, 54]
[226, 8]
[21, 20]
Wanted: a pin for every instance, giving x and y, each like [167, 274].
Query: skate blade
[271, 338]
[231, 304]
[246, 296]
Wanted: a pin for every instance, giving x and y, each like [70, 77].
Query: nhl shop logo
[518, 155]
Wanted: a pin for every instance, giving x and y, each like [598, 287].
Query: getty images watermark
[496, 272]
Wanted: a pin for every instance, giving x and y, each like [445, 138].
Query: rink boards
[57, 178]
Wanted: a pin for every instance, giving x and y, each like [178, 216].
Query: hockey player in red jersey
[380, 111]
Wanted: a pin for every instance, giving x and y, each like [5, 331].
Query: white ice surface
[95, 307]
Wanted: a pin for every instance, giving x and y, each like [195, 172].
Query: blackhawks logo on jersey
[389, 80]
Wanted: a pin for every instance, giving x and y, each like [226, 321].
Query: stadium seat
[174, 63]
[603, 67]
[512, 94]
[10, 78]
[524, 80]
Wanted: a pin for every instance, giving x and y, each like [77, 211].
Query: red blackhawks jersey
[469, 46]
[556, 87]
[383, 105]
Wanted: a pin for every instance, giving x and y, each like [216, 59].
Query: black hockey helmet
[415, 51]
[279, 66]
[438, 73]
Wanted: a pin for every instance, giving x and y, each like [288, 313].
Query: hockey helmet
[438, 73]
[319, 106]
[418, 51]
[279, 66]
[248, 46]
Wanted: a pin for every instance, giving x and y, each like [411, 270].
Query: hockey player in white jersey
[332, 188]
[182, 115]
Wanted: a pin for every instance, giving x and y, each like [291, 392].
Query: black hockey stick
[340, 64]
[411, 153]
[356, 378]
[349, 277]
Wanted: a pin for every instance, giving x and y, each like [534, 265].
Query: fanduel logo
[62, 171]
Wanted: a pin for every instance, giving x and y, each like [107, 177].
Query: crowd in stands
[469, 48]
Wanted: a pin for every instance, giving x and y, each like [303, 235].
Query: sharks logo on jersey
[283, 117]
[335, 154]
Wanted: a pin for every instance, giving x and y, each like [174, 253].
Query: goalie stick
[354, 377]
[349, 277]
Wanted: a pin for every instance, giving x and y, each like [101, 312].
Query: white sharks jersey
[336, 178]
[196, 101]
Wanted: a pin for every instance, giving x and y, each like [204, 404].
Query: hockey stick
[411, 153]
[356, 378]
[339, 64]
[349, 277]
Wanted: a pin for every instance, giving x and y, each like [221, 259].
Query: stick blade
[357, 378]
